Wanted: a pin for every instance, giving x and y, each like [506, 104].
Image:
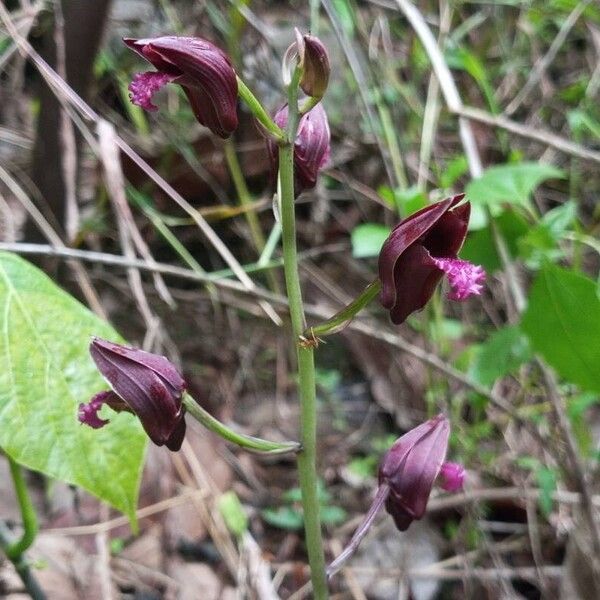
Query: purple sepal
[410, 467]
[149, 384]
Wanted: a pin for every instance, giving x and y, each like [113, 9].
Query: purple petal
[453, 476]
[145, 85]
[204, 71]
[465, 278]
[311, 147]
[88, 413]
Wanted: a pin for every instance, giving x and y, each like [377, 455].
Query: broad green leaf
[368, 238]
[509, 184]
[403, 201]
[504, 352]
[46, 372]
[562, 322]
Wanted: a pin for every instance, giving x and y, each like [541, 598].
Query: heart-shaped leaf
[46, 372]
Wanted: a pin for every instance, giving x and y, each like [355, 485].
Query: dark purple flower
[146, 384]
[406, 476]
[410, 467]
[203, 71]
[419, 250]
[311, 148]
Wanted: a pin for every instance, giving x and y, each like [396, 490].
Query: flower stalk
[244, 441]
[305, 355]
[343, 317]
[257, 109]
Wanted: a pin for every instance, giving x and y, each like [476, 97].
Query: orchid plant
[420, 250]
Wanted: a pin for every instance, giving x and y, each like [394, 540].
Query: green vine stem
[244, 441]
[343, 317]
[30, 524]
[257, 109]
[306, 365]
[15, 550]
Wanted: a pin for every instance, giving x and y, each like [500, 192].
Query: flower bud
[311, 148]
[204, 72]
[309, 53]
[419, 251]
[315, 75]
[406, 475]
[147, 384]
[410, 467]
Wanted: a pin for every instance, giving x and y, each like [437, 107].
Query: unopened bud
[309, 54]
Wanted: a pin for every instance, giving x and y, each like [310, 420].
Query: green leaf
[404, 201]
[284, 517]
[504, 352]
[546, 478]
[233, 513]
[364, 466]
[480, 248]
[508, 184]
[333, 515]
[345, 13]
[368, 238]
[46, 372]
[455, 169]
[562, 322]
[540, 243]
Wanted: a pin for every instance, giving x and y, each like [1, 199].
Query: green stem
[256, 108]
[30, 524]
[245, 441]
[392, 141]
[244, 197]
[245, 200]
[309, 104]
[343, 317]
[15, 550]
[306, 367]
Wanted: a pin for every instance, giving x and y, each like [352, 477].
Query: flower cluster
[419, 251]
[209, 81]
